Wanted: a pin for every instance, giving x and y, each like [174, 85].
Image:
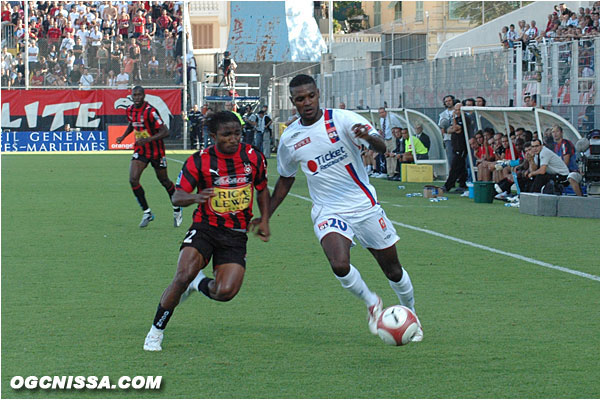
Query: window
[398, 10]
[377, 13]
[452, 6]
[419, 11]
[202, 35]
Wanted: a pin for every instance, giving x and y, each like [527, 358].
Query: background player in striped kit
[221, 180]
[147, 125]
[326, 144]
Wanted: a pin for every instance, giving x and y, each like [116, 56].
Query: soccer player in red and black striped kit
[221, 179]
[150, 130]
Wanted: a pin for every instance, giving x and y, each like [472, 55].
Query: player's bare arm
[129, 130]
[282, 187]
[261, 225]
[183, 199]
[375, 143]
[161, 134]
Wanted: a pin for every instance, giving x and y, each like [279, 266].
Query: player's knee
[183, 278]
[394, 272]
[226, 292]
[340, 266]
[134, 182]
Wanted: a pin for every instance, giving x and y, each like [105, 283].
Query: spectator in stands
[503, 37]
[228, 66]
[122, 79]
[111, 79]
[37, 79]
[109, 26]
[144, 41]
[7, 59]
[54, 34]
[512, 36]
[86, 80]
[164, 22]
[138, 23]
[78, 52]
[169, 44]
[123, 25]
[103, 60]
[153, 67]
[32, 54]
[342, 106]
[109, 11]
[134, 53]
[150, 27]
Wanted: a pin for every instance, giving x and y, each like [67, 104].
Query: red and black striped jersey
[233, 177]
[146, 122]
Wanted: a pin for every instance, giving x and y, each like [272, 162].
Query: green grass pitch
[81, 282]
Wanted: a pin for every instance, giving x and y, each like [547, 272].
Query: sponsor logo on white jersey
[325, 161]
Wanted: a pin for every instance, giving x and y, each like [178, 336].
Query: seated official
[412, 142]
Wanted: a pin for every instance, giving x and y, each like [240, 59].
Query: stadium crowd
[561, 25]
[84, 43]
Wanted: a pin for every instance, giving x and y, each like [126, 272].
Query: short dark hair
[222, 117]
[300, 80]
[483, 100]
[137, 88]
[528, 135]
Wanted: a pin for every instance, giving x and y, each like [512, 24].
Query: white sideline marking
[476, 245]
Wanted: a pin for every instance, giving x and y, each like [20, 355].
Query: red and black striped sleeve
[190, 177]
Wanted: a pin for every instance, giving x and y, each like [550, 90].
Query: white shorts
[575, 176]
[371, 227]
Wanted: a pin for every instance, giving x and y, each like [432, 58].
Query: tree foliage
[472, 10]
[344, 10]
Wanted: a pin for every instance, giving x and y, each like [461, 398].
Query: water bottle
[409, 195]
[434, 200]
[507, 204]
[417, 194]
[443, 198]
[401, 187]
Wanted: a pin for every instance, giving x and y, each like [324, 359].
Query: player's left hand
[361, 131]
[260, 228]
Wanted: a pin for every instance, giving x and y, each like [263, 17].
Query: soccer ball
[397, 325]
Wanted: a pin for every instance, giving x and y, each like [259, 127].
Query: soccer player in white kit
[326, 144]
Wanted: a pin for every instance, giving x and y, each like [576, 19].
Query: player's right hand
[205, 195]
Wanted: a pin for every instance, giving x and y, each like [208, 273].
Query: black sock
[139, 193]
[162, 317]
[203, 287]
[171, 189]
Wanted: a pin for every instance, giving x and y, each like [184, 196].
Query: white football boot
[146, 218]
[373, 313]
[177, 217]
[153, 340]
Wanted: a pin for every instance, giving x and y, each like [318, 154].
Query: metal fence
[502, 77]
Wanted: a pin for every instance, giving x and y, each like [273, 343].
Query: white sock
[404, 291]
[355, 284]
[147, 211]
[155, 331]
[197, 280]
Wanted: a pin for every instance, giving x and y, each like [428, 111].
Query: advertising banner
[53, 141]
[86, 110]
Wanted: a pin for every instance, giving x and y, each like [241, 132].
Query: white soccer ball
[397, 325]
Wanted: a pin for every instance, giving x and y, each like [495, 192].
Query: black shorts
[156, 163]
[223, 244]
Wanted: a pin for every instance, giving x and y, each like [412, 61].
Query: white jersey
[330, 156]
